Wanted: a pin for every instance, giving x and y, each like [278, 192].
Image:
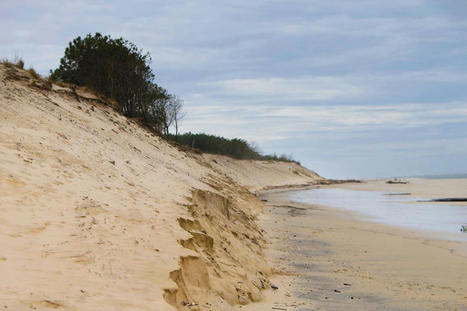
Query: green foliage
[117, 69]
[281, 158]
[235, 148]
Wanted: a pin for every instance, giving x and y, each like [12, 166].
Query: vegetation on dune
[282, 158]
[16, 62]
[117, 69]
[235, 148]
[32, 76]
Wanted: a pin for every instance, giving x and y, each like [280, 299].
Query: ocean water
[443, 220]
[428, 176]
[444, 176]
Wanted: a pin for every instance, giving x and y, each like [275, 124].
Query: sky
[351, 89]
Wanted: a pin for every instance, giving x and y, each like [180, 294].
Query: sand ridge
[96, 213]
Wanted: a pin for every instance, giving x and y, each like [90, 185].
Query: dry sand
[97, 213]
[335, 261]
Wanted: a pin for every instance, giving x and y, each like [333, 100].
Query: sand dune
[97, 213]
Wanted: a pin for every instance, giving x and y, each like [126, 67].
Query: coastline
[329, 259]
[417, 187]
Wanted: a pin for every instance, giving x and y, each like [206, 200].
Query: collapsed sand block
[200, 239]
[189, 224]
[192, 281]
[212, 201]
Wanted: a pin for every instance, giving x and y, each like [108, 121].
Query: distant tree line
[235, 148]
[117, 69]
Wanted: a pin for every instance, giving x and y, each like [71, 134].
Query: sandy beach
[329, 259]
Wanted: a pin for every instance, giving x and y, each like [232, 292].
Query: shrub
[20, 64]
[235, 148]
[33, 73]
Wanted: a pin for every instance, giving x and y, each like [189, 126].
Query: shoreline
[428, 189]
[329, 259]
[440, 220]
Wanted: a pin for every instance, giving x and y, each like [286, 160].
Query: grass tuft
[34, 73]
[20, 64]
[17, 62]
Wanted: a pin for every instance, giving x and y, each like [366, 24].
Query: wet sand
[328, 259]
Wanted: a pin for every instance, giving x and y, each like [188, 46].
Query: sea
[442, 220]
[439, 176]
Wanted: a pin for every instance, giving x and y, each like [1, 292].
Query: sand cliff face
[96, 213]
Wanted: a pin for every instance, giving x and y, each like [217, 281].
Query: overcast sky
[360, 88]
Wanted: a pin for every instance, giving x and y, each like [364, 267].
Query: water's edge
[398, 210]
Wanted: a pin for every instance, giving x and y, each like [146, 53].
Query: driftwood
[445, 200]
[397, 182]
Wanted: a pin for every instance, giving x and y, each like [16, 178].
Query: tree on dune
[117, 69]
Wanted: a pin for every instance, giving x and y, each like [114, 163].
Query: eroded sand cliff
[97, 213]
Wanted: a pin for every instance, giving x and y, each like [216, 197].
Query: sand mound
[97, 213]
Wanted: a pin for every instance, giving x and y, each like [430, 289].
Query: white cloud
[367, 117]
[289, 89]
[269, 123]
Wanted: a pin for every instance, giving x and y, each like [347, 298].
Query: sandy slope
[96, 213]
